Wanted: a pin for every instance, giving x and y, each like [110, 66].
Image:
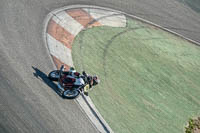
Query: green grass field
[150, 79]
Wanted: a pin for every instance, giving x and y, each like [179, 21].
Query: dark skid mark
[107, 46]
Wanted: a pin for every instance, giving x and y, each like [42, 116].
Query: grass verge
[149, 78]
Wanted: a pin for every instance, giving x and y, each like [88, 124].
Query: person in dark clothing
[90, 80]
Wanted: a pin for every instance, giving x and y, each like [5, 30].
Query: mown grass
[150, 79]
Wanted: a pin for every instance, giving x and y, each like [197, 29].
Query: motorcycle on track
[70, 86]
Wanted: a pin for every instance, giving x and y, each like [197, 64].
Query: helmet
[77, 74]
[95, 80]
[71, 69]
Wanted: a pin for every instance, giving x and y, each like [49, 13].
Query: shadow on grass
[43, 77]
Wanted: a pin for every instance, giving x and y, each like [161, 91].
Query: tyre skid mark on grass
[106, 49]
[92, 23]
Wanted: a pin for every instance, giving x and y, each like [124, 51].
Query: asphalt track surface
[28, 102]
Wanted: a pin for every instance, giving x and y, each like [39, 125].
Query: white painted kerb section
[68, 23]
[107, 18]
[60, 51]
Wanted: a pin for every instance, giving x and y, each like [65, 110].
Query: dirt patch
[193, 126]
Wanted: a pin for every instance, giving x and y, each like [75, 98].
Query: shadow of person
[43, 77]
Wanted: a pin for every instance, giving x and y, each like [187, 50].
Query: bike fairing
[85, 78]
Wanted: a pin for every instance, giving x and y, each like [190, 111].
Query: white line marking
[107, 18]
[90, 114]
[60, 51]
[68, 23]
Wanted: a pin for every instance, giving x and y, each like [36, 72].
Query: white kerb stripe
[99, 12]
[107, 18]
[68, 23]
[60, 51]
[114, 21]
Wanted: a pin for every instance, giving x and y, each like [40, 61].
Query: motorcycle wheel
[54, 75]
[71, 94]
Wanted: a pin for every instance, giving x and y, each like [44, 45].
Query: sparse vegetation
[193, 126]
